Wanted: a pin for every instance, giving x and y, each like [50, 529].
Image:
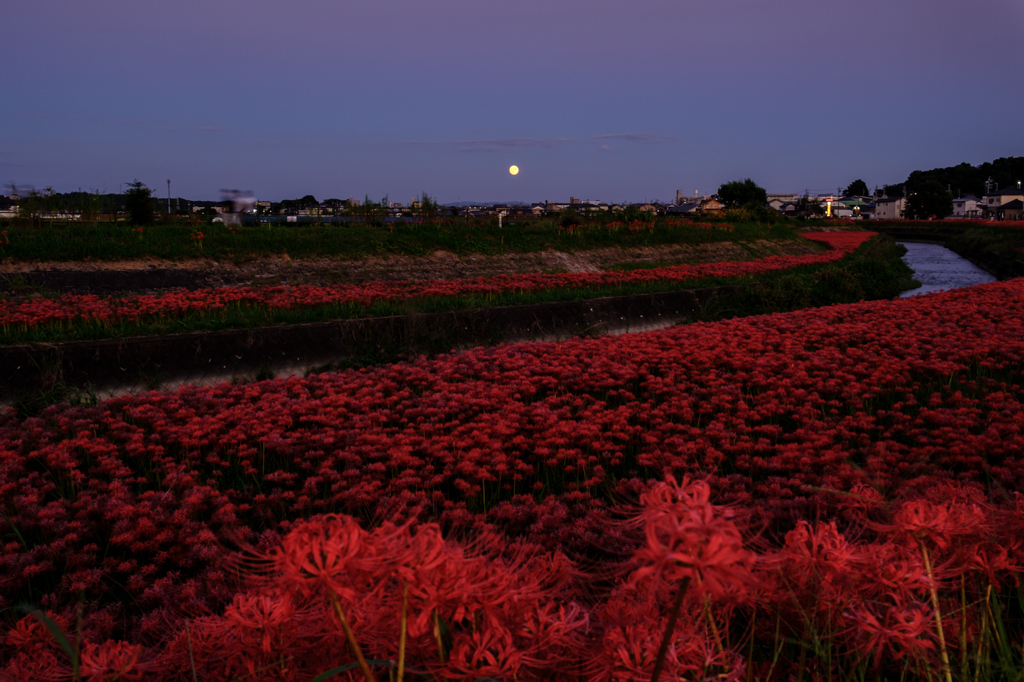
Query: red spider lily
[938, 524]
[261, 618]
[903, 630]
[111, 661]
[486, 654]
[44, 666]
[687, 537]
[74, 308]
[819, 552]
[29, 635]
[547, 444]
[332, 553]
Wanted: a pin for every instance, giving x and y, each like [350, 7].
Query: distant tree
[742, 194]
[428, 208]
[138, 201]
[893, 190]
[810, 207]
[930, 199]
[857, 188]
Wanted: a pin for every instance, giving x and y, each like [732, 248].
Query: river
[938, 269]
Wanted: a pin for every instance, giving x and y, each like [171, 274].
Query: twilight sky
[619, 101]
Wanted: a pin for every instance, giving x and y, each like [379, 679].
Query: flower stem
[437, 636]
[401, 633]
[938, 614]
[352, 640]
[670, 627]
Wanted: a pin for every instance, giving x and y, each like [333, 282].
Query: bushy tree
[138, 201]
[742, 194]
[857, 188]
[930, 199]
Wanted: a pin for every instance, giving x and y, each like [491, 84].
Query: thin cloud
[648, 138]
[291, 143]
[46, 115]
[496, 145]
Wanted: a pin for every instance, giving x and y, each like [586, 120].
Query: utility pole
[168, 196]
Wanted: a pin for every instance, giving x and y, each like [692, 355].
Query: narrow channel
[939, 269]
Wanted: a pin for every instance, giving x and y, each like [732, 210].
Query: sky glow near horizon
[602, 100]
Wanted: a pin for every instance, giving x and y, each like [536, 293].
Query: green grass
[73, 241]
[1004, 241]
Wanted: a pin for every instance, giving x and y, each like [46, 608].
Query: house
[890, 208]
[691, 207]
[777, 201]
[711, 206]
[1011, 210]
[968, 207]
[992, 201]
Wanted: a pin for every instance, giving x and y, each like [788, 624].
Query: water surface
[938, 269]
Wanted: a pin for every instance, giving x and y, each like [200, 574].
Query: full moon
[514, 170]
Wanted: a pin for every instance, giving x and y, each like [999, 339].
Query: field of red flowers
[69, 310]
[851, 510]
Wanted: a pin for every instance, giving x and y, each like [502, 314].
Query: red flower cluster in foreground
[78, 308]
[401, 600]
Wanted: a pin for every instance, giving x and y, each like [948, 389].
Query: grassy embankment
[1001, 239]
[873, 271]
[67, 241]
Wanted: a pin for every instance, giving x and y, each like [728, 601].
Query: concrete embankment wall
[111, 365]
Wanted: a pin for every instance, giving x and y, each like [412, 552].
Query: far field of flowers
[825, 494]
[60, 314]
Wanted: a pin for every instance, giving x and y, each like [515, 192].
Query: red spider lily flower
[31, 636]
[998, 562]
[688, 537]
[332, 552]
[41, 666]
[262, 616]
[111, 661]
[817, 564]
[485, 654]
[901, 631]
[938, 524]
[819, 551]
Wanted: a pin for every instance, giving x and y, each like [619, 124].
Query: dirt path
[156, 275]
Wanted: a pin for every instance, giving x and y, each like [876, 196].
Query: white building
[967, 207]
[890, 208]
